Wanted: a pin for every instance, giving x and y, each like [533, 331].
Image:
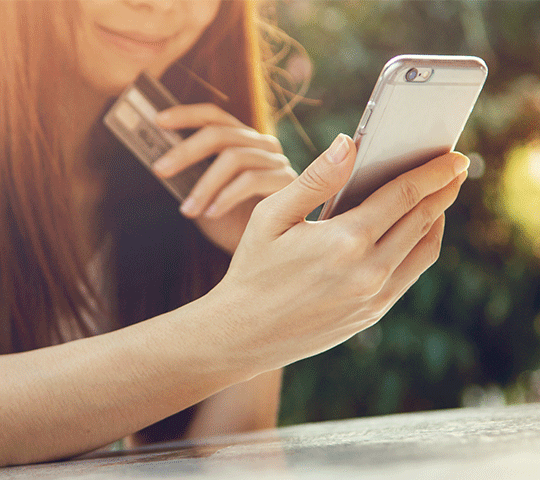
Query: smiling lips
[137, 45]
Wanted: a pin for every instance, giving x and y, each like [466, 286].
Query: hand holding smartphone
[416, 112]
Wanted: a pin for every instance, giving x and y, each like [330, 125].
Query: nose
[149, 5]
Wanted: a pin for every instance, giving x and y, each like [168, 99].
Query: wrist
[231, 328]
[212, 336]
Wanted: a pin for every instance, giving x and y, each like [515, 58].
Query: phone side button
[364, 121]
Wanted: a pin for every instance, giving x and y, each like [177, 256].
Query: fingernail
[188, 206]
[339, 149]
[211, 211]
[163, 164]
[461, 164]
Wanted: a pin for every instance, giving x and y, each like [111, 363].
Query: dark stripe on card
[156, 93]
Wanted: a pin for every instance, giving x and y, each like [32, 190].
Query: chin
[111, 81]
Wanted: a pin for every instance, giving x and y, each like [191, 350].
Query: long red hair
[42, 275]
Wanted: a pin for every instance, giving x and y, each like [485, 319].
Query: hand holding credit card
[220, 165]
[132, 120]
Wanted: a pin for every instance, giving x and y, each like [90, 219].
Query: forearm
[247, 406]
[293, 289]
[67, 399]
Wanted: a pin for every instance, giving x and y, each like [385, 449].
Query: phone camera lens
[411, 75]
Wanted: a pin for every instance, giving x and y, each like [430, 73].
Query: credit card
[132, 120]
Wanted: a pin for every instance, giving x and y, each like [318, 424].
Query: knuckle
[371, 281]
[365, 236]
[425, 217]
[213, 131]
[230, 158]
[378, 276]
[348, 250]
[350, 243]
[409, 194]
[290, 173]
[247, 178]
[346, 246]
[273, 143]
[281, 159]
[214, 134]
[312, 179]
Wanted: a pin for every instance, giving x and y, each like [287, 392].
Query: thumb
[319, 182]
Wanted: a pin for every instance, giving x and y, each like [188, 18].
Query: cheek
[205, 11]
[94, 65]
[103, 70]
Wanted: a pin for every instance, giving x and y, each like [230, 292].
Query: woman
[116, 311]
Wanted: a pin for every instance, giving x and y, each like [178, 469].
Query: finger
[395, 199]
[420, 258]
[396, 244]
[196, 116]
[209, 141]
[250, 184]
[319, 181]
[424, 254]
[225, 168]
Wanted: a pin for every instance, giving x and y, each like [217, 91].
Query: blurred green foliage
[468, 331]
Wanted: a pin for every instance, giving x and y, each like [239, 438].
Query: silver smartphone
[416, 112]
